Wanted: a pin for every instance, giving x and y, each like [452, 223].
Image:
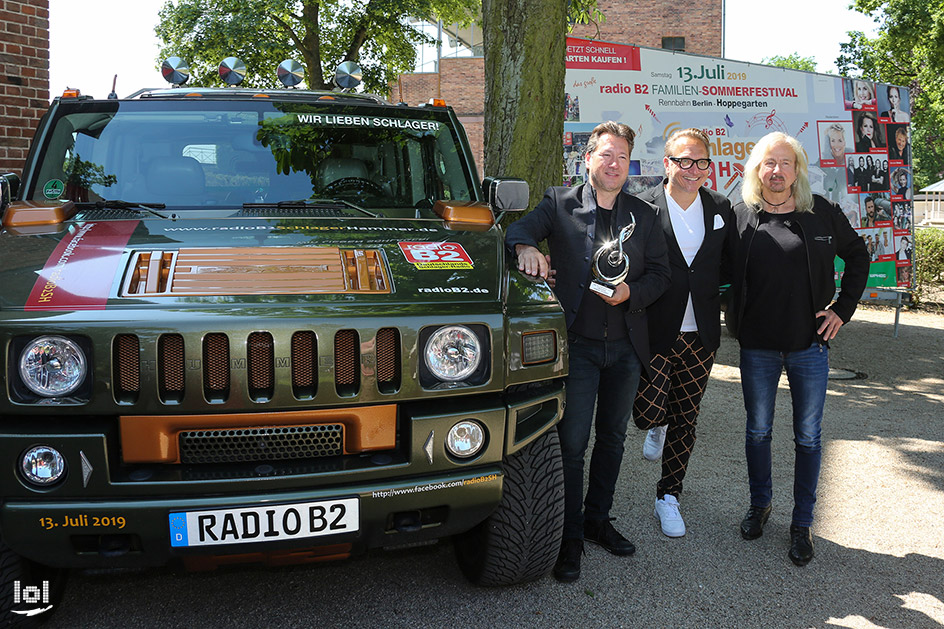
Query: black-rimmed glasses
[687, 162]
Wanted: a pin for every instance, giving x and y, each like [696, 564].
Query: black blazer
[565, 218]
[703, 279]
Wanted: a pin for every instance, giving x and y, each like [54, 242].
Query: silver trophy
[610, 264]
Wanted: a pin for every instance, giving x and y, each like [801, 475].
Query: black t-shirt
[778, 312]
[596, 319]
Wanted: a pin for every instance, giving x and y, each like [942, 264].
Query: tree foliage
[908, 50]
[319, 34]
[793, 61]
[928, 264]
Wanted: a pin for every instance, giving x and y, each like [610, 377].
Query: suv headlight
[453, 353]
[52, 366]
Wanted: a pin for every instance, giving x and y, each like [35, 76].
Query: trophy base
[607, 290]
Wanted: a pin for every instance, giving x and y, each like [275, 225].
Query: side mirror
[9, 186]
[506, 194]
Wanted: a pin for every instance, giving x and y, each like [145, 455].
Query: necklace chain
[776, 204]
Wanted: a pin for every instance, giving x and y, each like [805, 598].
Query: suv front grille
[127, 367]
[216, 367]
[170, 360]
[346, 360]
[260, 444]
[222, 374]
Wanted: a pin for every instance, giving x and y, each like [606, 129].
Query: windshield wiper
[313, 203]
[117, 204]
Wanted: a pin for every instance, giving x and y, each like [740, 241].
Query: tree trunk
[524, 90]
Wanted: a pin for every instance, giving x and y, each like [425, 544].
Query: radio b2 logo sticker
[436, 255]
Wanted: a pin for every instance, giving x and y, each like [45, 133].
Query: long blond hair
[751, 190]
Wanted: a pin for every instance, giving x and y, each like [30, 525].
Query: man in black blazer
[685, 322]
[607, 330]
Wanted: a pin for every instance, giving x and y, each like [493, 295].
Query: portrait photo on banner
[836, 140]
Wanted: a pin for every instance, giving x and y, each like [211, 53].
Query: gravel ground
[878, 534]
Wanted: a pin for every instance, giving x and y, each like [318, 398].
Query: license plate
[264, 524]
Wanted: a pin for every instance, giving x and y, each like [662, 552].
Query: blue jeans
[610, 369]
[807, 373]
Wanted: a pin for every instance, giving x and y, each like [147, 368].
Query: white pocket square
[719, 222]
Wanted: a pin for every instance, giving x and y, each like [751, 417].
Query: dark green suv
[268, 326]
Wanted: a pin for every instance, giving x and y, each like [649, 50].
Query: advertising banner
[856, 133]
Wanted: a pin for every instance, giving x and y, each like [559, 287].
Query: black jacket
[826, 234]
[703, 279]
[566, 219]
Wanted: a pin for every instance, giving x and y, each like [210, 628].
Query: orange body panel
[23, 213]
[464, 214]
[153, 438]
[256, 271]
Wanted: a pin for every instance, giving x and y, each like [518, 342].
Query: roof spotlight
[232, 71]
[290, 72]
[348, 75]
[175, 70]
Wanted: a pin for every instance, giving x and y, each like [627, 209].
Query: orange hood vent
[255, 271]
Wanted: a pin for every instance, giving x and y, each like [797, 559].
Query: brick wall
[24, 76]
[642, 23]
[462, 84]
[646, 22]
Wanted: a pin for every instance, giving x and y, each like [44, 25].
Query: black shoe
[801, 545]
[752, 526]
[567, 568]
[602, 532]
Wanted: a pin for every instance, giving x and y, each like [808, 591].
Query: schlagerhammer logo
[31, 595]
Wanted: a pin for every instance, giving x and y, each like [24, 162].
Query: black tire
[14, 568]
[520, 540]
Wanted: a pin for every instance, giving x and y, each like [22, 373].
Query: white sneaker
[652, 446]
[667, 510]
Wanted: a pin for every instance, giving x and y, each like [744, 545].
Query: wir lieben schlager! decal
[80, 272]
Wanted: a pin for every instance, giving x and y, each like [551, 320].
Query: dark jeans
[807, 373]
[610, 368]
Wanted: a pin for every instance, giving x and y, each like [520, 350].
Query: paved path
[879, 532]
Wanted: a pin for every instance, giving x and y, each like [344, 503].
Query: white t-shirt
[689, 227]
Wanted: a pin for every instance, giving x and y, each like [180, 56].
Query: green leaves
[928, 263]
[908, 50]
[793, 61]
[319, 35]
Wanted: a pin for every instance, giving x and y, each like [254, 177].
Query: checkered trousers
[672, 397]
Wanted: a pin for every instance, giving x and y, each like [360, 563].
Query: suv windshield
[207, 153]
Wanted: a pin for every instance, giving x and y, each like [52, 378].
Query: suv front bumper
[107, 513]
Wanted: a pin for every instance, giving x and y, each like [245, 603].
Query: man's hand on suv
[532, 262]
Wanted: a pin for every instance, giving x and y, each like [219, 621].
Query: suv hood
[90, 265]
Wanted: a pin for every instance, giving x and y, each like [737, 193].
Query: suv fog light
[43, 465]
[52, 366]
[465, 439]
[538, 347]
[453, 353]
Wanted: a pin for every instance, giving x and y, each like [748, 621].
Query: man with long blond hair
[783, 315]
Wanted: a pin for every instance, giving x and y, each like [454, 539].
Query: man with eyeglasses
[685, 322]
[607, 337]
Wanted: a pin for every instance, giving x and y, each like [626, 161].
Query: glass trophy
[610, 264]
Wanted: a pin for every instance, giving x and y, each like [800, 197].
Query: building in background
[24, 76]
[455, 71]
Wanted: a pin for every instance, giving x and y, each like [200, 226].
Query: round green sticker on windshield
[53, 189]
